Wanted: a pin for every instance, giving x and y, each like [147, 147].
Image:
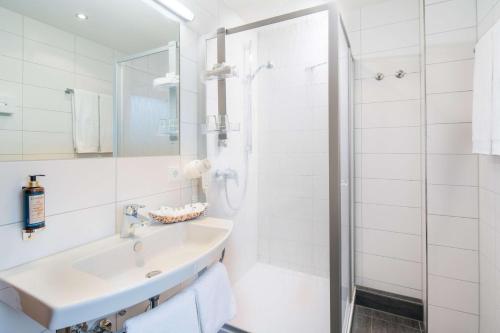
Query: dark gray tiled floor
[366, 320]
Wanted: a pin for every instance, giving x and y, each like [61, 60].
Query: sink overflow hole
[152, 273]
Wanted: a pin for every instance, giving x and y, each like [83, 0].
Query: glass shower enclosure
[278, 133]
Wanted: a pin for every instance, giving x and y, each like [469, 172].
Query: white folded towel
[214, 299]
[85, 121]
[106, 123]
[177, 315]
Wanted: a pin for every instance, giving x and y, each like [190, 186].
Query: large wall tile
[93, 84]
[47, 143]
[449, 76]
[393, 271]
[387, 12]
[15, 140]
[457, 232]
[47, 121]
[450, 46]
[11, 69]
[46, 99]
[453, 263]
[404, 140]
[450, 15]
[11, 21]
[12, 45]
[454, 107]
[94, 68]
[449, 139]
[390, 218]
[13, 91]
[189, 76]
[485, 7]
[143, 176]
[391, 192]
[388, 244]
[45, 33]
[38, 75]
[388, 37]
[93, 50]
[389, 287]
[44, 54]
[391, 114]
[446, 320]
[452, 169]
[454, 294]
[189, 102]
[486, 23]
[461, 201]
[189, 43]
[391, 166]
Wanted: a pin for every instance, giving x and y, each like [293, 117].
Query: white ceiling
[251, 10]
[129, 26]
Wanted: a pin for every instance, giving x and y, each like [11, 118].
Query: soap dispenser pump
[34, 205]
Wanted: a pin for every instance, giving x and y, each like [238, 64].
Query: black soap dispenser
[34, 205]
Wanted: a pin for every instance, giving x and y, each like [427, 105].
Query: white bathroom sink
[106, 276]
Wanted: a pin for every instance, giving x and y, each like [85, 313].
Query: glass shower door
[271, 175]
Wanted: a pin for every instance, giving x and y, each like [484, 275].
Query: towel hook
[400, 74]
[379, 76]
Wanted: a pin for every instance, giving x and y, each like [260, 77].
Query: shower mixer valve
[227, 174]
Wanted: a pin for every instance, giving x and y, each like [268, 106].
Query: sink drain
[152, 273]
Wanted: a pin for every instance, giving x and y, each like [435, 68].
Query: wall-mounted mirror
[87, 78]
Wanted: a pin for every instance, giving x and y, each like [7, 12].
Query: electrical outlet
[173, 174]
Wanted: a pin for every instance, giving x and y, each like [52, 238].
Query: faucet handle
[132, 209]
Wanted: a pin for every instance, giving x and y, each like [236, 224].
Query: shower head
[267, 65]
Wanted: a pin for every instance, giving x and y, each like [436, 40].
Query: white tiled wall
[388, 146]
[84, 197]
[488, 13]
[388, 158]
[452, 169]
[37, 63]
[293, 151]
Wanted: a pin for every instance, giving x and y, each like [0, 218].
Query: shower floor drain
[152, 273]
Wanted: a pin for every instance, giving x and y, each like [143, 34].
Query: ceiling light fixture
[81, 16]
[177, 8]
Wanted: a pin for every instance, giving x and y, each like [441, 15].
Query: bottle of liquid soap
[34, 204]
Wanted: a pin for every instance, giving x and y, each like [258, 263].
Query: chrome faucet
[131, 219]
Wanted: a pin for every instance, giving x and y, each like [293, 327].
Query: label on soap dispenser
[36, 206]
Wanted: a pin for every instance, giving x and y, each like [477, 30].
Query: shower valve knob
[227, 174]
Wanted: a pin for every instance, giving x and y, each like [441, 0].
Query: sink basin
[109, 275]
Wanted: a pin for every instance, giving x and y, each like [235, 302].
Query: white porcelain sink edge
[56, 292]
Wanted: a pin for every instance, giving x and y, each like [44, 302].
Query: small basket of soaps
[167, 215]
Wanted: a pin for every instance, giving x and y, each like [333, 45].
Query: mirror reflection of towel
[106, 123]
[86, 121]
